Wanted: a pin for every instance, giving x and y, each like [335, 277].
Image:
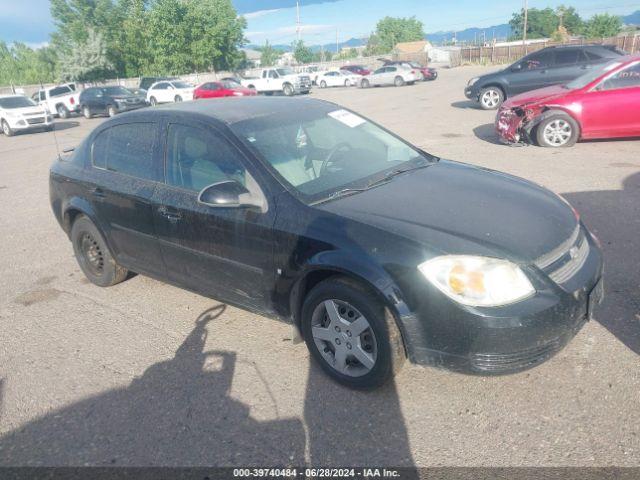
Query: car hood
[456, 208]
[546, 94]
[126, 97]
[36, 110]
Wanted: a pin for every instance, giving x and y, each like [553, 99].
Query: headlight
[11, 114]
[238, 94]
[477, 281]
[472, 81]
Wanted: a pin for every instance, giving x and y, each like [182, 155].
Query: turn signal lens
[478, 281]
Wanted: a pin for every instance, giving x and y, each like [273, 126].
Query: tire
[364, 83]
[153, 101]
[347, 83]
[398, 81]
[62, 111]
[323, 84]
[112, 111]
[379, 343]
[93, 255]
[177, 99]
[86, 112]
[6, 129]
[491, 98]
[558, 130]
[288, 89]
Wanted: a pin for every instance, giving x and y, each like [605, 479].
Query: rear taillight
[72, 101]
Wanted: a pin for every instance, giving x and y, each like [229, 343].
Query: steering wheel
[329, 159]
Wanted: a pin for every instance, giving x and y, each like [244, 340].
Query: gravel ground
[147, 374]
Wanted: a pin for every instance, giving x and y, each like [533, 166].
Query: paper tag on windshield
[349, 119]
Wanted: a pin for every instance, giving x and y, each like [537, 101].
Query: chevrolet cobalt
[301, 210]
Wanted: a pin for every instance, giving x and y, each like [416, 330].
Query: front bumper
[31, 122]
[126, 107]
[507, 339]
[472, 93]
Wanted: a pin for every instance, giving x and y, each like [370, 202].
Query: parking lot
[147, 374]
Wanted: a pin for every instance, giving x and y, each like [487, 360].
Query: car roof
[234, 110]
[9, 95]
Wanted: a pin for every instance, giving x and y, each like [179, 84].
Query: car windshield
[182, 85]
[592, 75]
[116, 91]
[16, 102]
[58, 91]
[230, 84]
[321, 152]
[284, 71]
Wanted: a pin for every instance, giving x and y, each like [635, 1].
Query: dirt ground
[147, 374]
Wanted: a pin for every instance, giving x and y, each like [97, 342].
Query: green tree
[268, 55]
[301, 52]
[87, 60]
[603, 25]
[543, 23]
[21, 65]
[131, 47]
[392, 30]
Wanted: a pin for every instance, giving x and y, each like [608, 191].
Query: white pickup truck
[60, 100]
[281, 79]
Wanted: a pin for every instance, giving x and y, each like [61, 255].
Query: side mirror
[227, 194]
[516, 68]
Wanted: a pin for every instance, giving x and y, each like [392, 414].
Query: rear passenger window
[127, 149]
[566, 57]
[197, 158]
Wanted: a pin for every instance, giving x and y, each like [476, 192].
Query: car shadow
[487, 133]
[614, 216]
[466, 104]
[179, 412]
[64, 125]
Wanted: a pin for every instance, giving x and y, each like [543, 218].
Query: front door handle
[171, 214]
[98, 193]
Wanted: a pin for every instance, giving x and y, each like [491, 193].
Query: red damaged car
[224, 88]
[602, 103]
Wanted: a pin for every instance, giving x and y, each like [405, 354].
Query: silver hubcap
[5, 128]
[557, 133]
[491, 98]
[344, 338]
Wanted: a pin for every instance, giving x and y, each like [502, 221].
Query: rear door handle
[98, 193]
[170, 213]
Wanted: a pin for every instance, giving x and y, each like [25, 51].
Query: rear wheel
[112, 111]
[558, 130]
[6, 129]
[491, 98]
[399, 81]
[86, 112]
[351, 334]
[177, 98]
[347, 83]
[62, 111]
[93, 255]
[364, 83]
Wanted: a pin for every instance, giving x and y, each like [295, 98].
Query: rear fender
[77, 205]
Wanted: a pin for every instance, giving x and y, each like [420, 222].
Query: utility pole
[298, 19]
[336, 40]
[524, 31]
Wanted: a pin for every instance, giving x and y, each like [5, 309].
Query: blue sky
[29, 20]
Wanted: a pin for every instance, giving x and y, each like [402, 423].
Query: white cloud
[291, 30]
[260, 13]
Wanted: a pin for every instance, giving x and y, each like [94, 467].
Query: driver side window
[627, 78]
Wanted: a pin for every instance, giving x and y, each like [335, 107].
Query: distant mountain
[328, 47]
[502, 31]
[633, 19]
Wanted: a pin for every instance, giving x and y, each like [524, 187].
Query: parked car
[357, 69]
[238, 80]
[224, 88]
[544, 68]
[603, 103]
[275, 80]
[170, 91]
[109, 100]
[310, 213]
[427, 73]
[337, 78]
[61, 100]
[397, 75]
[18, 113]
[146, 82]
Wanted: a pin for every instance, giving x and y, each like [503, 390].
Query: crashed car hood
[457, 208]
[546, 94]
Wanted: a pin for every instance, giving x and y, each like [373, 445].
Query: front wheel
[288, 90]
[323, 84]
[93, 255]
[399, 81]
[177, 98]
[112, 111]
[86, 112]
[6, 129]
[153, 101]
[364, 83]
[347, 83]
[351, 334]
[491, 98]
[557, 131]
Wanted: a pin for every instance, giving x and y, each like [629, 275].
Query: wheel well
[69, 217]
[252, 86]
[58, 105]
[550, 112]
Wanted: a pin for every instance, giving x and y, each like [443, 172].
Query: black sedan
[301, 210]
[109, 100]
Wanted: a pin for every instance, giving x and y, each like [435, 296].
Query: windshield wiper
[389, 176]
